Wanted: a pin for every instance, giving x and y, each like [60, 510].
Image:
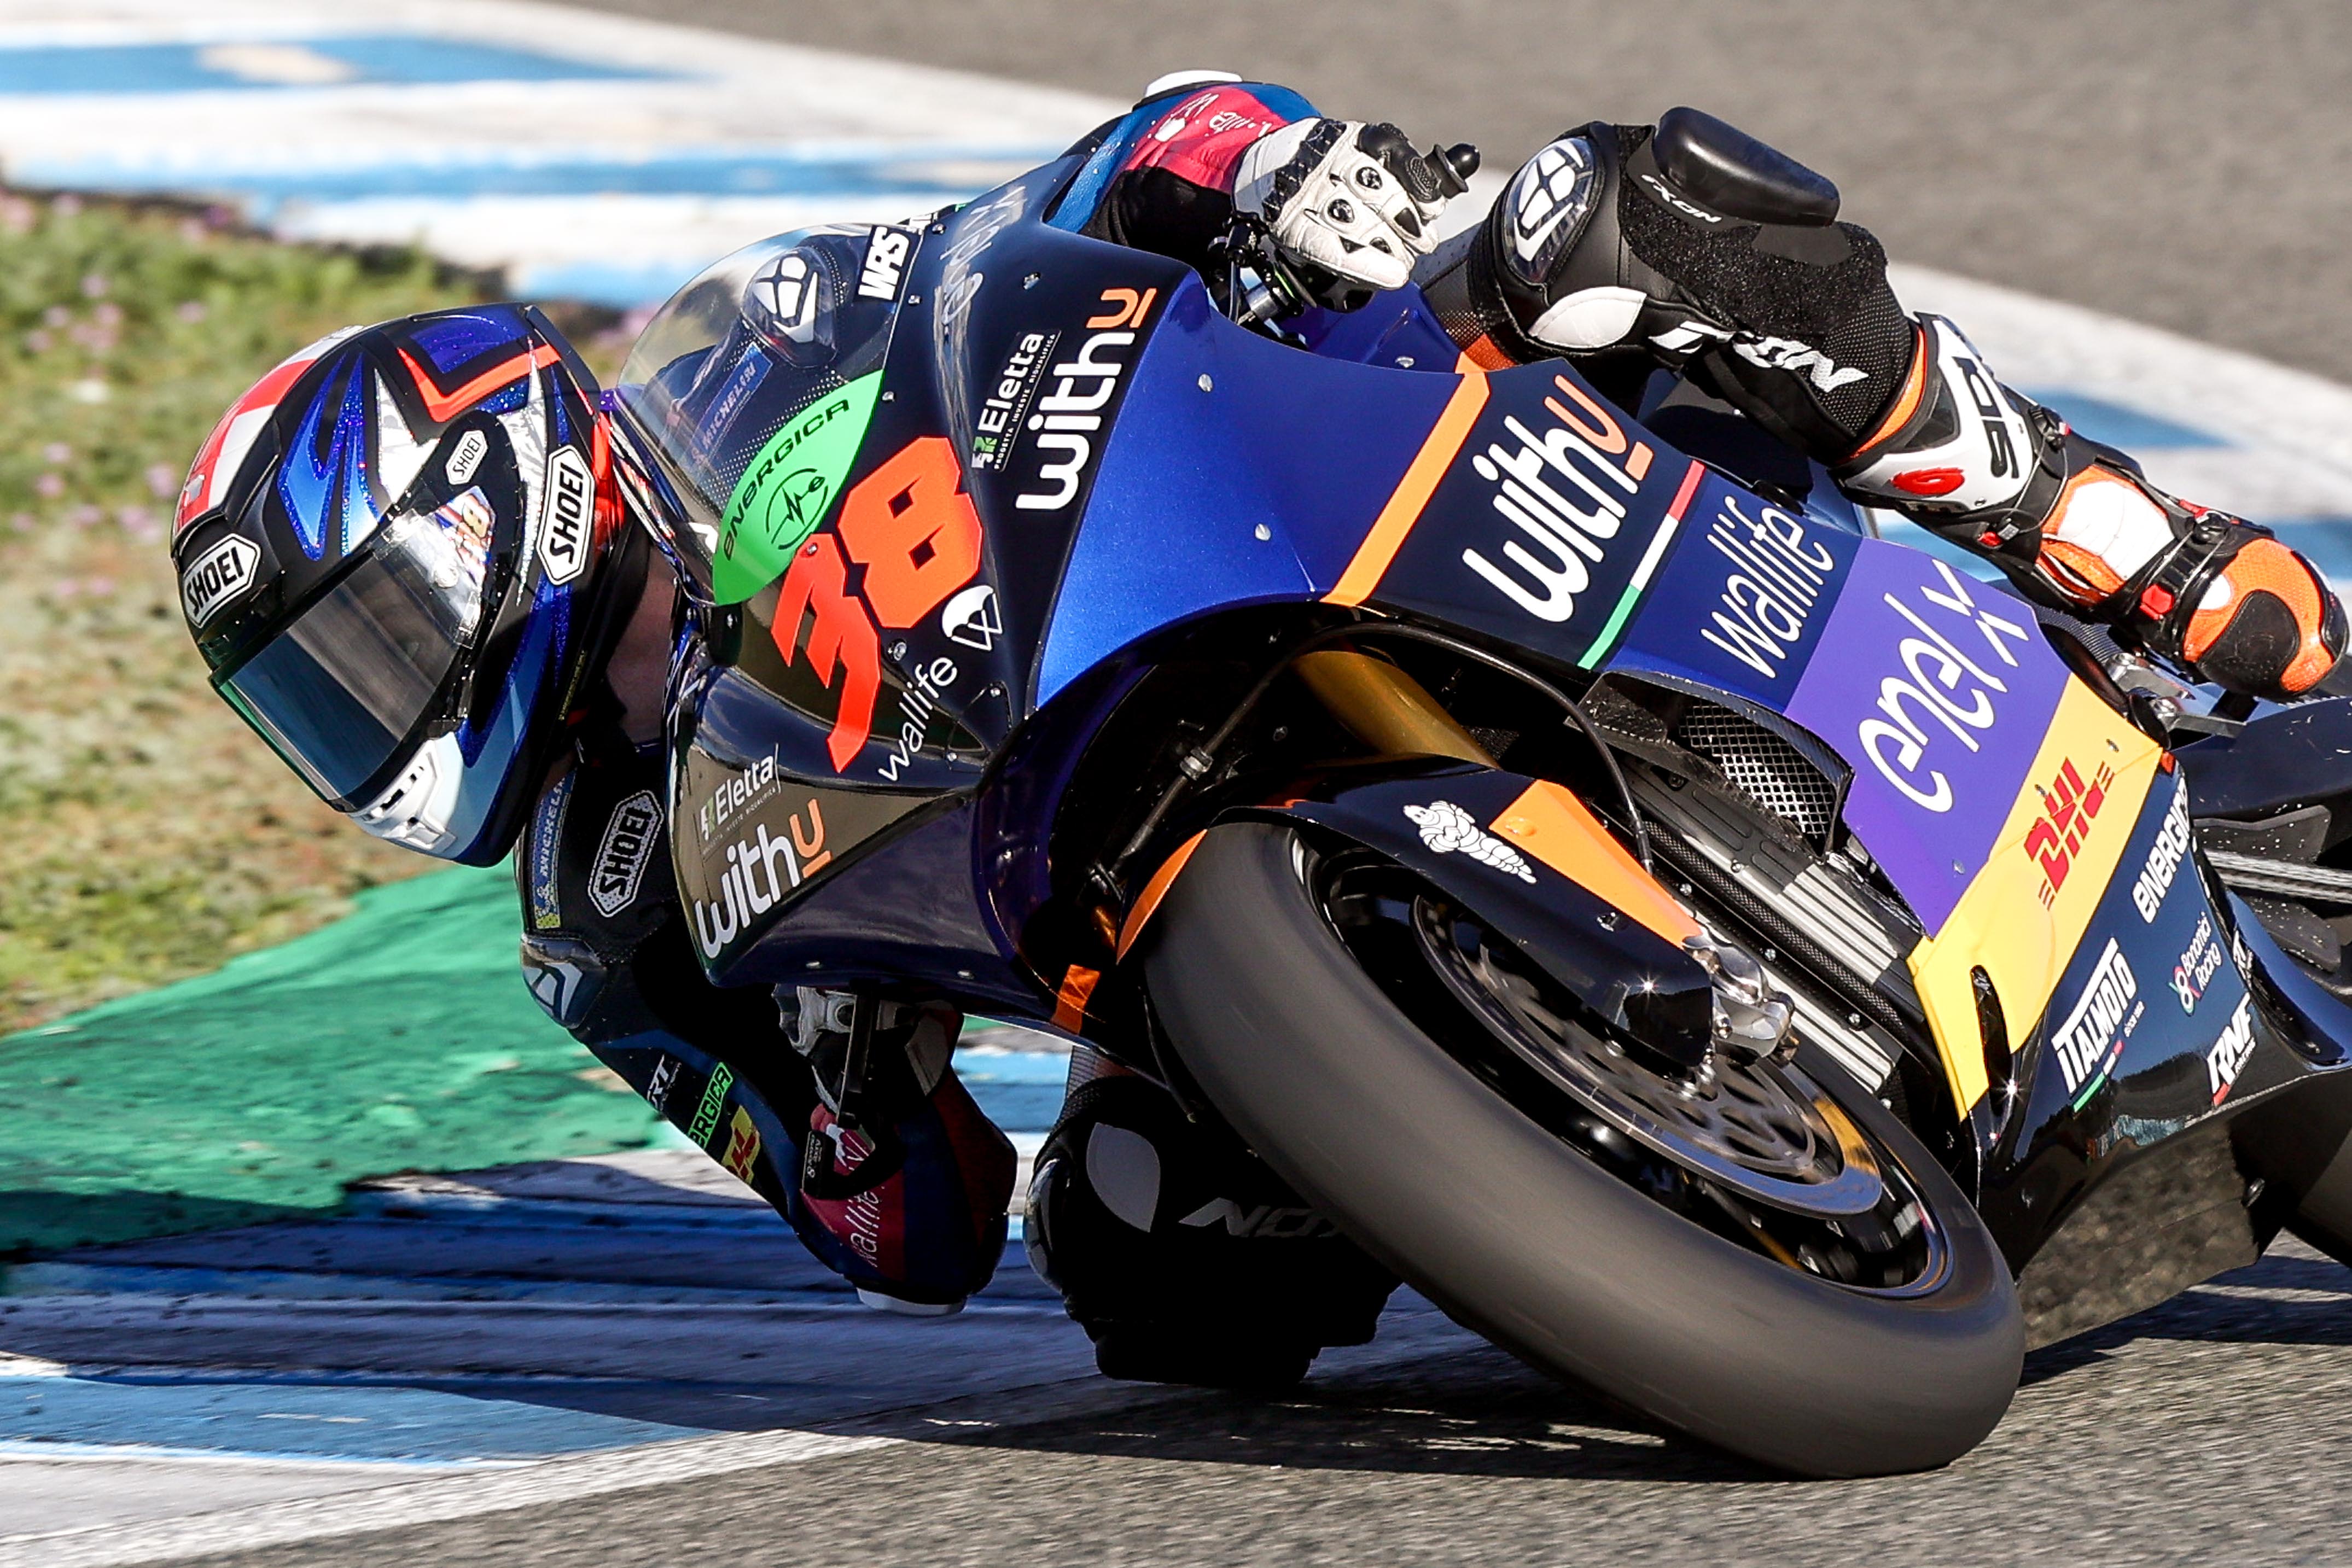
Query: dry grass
[144, 833]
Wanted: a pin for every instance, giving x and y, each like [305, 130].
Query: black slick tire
[1523, 1239]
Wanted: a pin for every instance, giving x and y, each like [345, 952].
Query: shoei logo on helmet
[222, 573]
[467, 456]
[568, 514]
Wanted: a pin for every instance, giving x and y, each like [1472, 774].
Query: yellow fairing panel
[2023, 916]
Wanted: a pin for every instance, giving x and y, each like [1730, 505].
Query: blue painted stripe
[399, 59]
[2118, 426]
[316, 1420]
[927, 178]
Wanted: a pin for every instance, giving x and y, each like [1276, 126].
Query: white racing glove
[1352, 199]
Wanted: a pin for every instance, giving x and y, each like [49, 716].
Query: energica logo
[2163, 858]
[787, 489]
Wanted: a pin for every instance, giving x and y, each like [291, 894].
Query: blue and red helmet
[400, 555]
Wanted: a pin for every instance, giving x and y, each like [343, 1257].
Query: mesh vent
[1760, 766]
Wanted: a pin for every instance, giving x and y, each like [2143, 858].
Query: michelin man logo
[1447, 828]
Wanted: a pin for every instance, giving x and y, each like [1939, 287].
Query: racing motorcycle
[1732, 961]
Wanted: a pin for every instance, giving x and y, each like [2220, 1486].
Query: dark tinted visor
[347, 687]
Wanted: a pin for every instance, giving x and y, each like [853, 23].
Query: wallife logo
[1899, 743]
[622, 854]
[2101, 1021]
[2163, 858]
[1565, 494]
[222, 573]
[567, 517]
[1776, 580]
[1069, 417]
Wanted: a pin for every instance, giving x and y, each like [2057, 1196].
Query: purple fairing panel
[1937, 690]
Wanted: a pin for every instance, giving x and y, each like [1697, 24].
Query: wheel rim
[1758, 1152]
[1758, 1127]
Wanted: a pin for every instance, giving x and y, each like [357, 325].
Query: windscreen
[785, 334]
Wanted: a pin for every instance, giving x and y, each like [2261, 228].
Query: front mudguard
[1533, 862]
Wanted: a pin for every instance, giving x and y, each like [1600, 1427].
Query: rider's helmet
[400, 559]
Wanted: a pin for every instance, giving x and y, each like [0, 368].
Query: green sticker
[714, 1098]
[788, 489]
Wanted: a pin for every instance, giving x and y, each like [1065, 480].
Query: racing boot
[2078, 525]
[903, 1179]
[1183, 1257]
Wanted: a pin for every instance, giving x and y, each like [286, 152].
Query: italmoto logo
[2102, 1017]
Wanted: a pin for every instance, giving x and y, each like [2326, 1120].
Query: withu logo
[1068, 420]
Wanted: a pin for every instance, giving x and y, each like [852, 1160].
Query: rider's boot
[903, 1182]
[2078, 525]
[1183, 1257]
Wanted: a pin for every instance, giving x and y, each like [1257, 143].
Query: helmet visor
[344, 691]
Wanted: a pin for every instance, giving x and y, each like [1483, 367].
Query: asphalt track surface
[2210, 1431]
[2180, 162]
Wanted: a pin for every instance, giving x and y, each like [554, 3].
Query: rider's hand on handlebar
[1353, 199]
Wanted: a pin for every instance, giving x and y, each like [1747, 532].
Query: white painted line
[419, 1502]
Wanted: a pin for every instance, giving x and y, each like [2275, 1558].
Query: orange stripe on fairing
[1154, 891]
[1554, 826]
[1483, 354]
[1078, 988]
[441, 405]
[1378, 550]
[1907, 402]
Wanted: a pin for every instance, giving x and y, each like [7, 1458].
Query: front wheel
[1765, 1260]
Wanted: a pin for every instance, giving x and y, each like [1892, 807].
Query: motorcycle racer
[531, 694]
